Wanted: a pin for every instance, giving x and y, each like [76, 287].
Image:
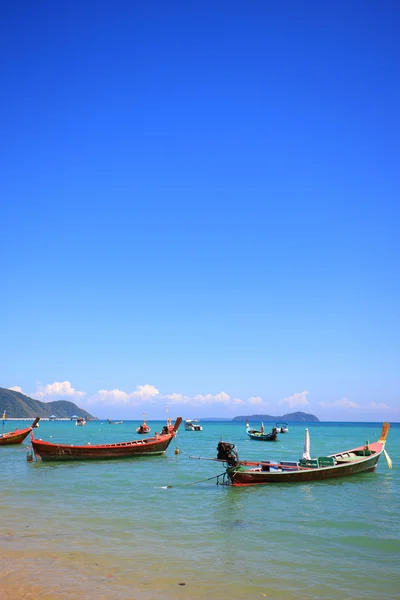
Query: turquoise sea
[114, 530]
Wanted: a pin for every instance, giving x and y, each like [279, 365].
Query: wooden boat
[260, 435]
[47, 451]
[363, 459]
[17, 436]
[192, 425]
[143, 427]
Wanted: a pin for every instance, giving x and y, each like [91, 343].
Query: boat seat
[326, 461]
[310, 463]
[348, 458]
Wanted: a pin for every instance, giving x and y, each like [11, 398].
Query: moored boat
[114, 422]
[80, 421]
[193, 425]
[260, 435]
[48, 451]
[17, 436]
[282, 427]
[363, 459]
[143, 428]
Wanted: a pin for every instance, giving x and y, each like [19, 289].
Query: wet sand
[24, 576]
[49, 578]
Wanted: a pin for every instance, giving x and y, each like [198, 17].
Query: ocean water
[115, 529]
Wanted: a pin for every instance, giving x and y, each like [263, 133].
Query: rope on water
[165, 487]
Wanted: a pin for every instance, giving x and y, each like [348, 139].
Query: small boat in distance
[114, 422]
[193, 425]
[151, 446]
[282, 427]
[17, 436]
[80, 421]
[363, 459]
[143, 427]
[260, 435]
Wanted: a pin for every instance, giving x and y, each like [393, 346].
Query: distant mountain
[19, 405]
[296, 417]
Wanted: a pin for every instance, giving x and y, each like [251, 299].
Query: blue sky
[200, 206]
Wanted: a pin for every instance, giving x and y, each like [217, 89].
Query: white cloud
[175, 398]
[208, 399]
[297, 399]
[110, 397]
[149, 393]
[145, 391]
[222, 397]
[237, 401]
[16, 388]
[374, 406]
[58, 389]
[142, 394]
[202, 399]
[342, 403]
[255, 400]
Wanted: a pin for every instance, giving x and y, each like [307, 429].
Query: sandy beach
[49, 578]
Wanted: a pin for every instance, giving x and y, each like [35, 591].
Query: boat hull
[143, 430]
[263, 437]
[192, 425]
[244, 476]
[363, 459]
[17, 436]
[47, 451]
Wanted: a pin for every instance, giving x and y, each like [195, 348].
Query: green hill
[296, 417]
[19, 405]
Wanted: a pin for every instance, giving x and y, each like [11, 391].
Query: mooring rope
[165, 487]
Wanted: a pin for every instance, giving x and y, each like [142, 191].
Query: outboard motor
[228, 453]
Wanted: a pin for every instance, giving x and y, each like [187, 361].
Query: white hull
[193, 426]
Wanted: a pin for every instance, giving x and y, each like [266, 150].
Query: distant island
[18, 405]
[296, 417]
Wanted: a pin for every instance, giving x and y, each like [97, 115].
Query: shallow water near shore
[113, 529]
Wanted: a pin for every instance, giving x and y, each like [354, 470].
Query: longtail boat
[17, 436]
[260, 435]
[363, 459]
[47, 451]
